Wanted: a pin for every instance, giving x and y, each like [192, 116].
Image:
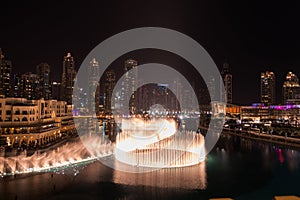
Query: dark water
[236, 168]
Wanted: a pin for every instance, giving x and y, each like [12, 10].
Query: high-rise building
[144, 98]
[6, 77]
[68, 77]
[291, 89]
[212, 88]
[110, 81]
[31, 86]
[177, 88]
[129, 84]
[94, 87]
[227, 79]
[44, 73]
[18, 86]
[267, 88]
[81, 101]
[56, 90]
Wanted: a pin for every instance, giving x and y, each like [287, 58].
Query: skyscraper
[18, 86]
[31, 86]
[212, 87]
[227, 79]
[68, 76]
[291, 89]
[177, 87]
[129, 84]
[6, 78]
[94, 88]
[56, 90]
[44, 73]
[267, 88]
[110, 81]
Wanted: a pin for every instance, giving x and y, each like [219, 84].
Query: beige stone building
[34, 122]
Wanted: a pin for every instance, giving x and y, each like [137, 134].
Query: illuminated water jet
[142, 143]
[69, 154]
[157, 143]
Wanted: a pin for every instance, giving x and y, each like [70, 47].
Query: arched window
[7, 131]
[17, 119]
[17, 112]
[24, 119]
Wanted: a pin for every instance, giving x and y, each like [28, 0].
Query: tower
[31, 86]
[267, 88]
[44, 73]
[68, 76]
[129, 84]
[18, 86]
[227, 79]
[110, 81]
[56, 90]
[6, 78]
[94, 88]
[291, 89]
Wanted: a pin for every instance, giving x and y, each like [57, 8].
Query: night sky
[252, 37]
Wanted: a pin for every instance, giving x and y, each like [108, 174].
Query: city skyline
[165, 99]
[252, 36]
[43, 70]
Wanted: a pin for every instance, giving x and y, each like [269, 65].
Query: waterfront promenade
[275, 139]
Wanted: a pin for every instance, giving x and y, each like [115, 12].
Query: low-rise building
[260, 113]
[34, 123]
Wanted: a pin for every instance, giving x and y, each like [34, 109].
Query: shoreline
[262, 137]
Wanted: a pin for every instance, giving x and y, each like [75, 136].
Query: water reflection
[193, 177]
[237, 168]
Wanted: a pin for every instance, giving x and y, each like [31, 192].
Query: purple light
[286, 107]
[75, 112]
[256, 105]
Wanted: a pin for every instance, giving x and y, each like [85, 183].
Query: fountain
[66, 155]
[152, 143]
[157, 143]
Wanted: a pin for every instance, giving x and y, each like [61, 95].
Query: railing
[47, 120]
[50, 131]
[17, 123]
[281, 140]
[10, 124]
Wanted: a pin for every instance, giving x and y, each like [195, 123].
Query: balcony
[24, 112]
[17, 112]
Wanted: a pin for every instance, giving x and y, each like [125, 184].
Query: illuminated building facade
[6, 78]
[94, 88]
[274, 113]
[291, 89]
[32, 123]
[227, 78]
[129, 84]
[43, 70]
[68, 76]
[267, 88]
[30, 86]
[18, 86]
[110, 81]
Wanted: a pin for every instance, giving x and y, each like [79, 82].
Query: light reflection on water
[237, 168]
[193, 177]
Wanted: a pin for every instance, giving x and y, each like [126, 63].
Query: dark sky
[251, 36]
